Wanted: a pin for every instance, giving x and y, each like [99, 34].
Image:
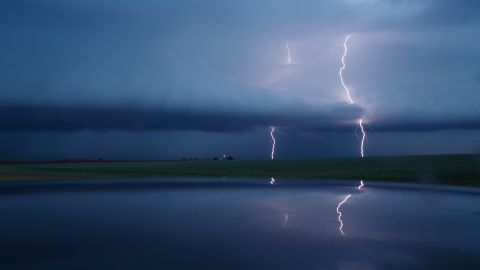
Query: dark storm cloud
[200, 60]
[48, 118]
[427, 125]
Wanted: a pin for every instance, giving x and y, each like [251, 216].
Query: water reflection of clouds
[222, 225]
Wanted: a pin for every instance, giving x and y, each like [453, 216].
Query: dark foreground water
[236, 224]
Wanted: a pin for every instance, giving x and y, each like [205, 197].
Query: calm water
[236, 224]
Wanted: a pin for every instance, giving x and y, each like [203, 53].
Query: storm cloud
[221, 66]
[43, 118]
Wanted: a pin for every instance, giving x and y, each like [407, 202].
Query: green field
[440, 169]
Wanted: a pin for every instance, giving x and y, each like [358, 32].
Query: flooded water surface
[236, 224]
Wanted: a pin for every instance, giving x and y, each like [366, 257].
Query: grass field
[440, 169]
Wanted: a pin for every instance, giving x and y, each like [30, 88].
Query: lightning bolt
[289, 59]
[272, 129]
[272, 135]
[342, 68]
[364, 136]
[340, 227]
[350, 100]
[362, 145]
[272, 155]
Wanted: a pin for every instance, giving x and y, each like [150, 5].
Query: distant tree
[230, 158]
[215, 158]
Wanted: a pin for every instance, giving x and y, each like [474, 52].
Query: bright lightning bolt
[350, 100]
[272, 135]
[340, 72]
[340, 227]
[272, 129]
[289, 59]
[272, 155]
[364, 136]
